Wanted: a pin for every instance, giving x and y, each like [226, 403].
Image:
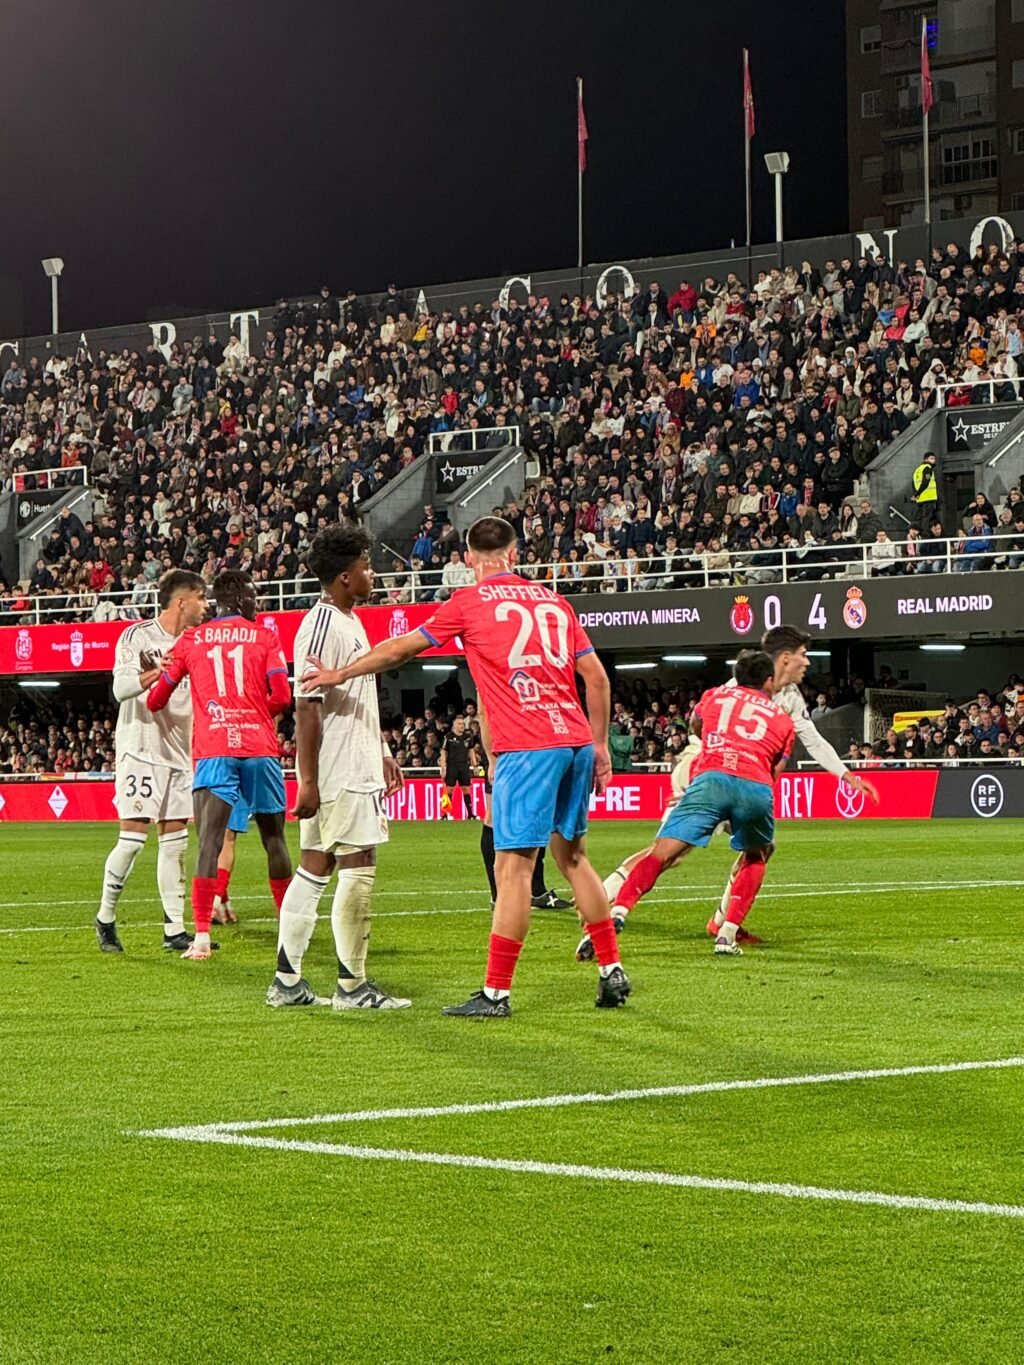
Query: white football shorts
[149, 791]
[353, 822]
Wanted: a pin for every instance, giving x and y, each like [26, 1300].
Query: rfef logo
[986, 796]
[741, 616]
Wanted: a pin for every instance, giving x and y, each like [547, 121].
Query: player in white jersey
[788, 648]
[345, 772]
[153, 768]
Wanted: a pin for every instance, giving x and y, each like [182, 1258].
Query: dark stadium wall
[906, 243]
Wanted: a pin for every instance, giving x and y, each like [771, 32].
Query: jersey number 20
[552, 633]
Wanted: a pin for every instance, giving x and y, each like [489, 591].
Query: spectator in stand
[885, 555]
[975, 549]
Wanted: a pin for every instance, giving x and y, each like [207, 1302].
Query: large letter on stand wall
[164, 334]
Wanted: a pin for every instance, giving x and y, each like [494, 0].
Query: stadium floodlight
[52, 268]
[778, 165]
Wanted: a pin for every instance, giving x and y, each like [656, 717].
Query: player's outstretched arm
[387, 655]
[599, 711]
[822, 752]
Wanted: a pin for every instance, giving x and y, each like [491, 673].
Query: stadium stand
[702, 419]
[649, 727]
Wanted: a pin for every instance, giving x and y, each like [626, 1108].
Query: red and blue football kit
[743, 732]
[522, 642]
[239, 684]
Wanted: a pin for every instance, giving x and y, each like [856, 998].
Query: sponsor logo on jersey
[77, 648]
[216, 712]
[525, 687]
[741, 616]
[23, 645]
[855, 609]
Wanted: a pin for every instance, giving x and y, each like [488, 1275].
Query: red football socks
[639, 882]
[278, 886]
[203, 891]
[223, 881]
[745, 887]
[605, 941]
[502, 956]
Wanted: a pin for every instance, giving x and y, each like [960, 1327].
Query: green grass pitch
[890, 946]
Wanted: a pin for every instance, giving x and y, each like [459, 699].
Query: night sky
[208, 154]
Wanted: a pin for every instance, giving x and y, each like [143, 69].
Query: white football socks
[170, 879]
[298, 920]
[615, 881]
[350, 920]
[116, 870]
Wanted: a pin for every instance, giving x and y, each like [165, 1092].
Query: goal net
[884, 704]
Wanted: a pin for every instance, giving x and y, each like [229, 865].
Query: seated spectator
[885, 555]
[974, 550]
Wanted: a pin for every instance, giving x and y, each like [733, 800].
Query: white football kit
[153, 767]
[352, 814]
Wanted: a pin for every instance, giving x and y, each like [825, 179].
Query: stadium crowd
[706, 420]
[649, 726]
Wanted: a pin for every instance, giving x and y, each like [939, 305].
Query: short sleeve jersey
[160, 737]
[744, 733]
[522, 642]
[229, 661]
[351, 751]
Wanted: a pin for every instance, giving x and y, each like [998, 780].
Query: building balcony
[979, 174]
[903, 52]
[966, 111]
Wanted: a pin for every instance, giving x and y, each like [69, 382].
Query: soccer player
[223, 910]
[746, 742]
[541, 897]
[345, 772]
[153, 769]
[455, 767]
[787, 646]
[524, 646]
[239, 684]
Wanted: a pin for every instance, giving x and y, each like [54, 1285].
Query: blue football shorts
[713, 797]
[254, 786]
[540, 791]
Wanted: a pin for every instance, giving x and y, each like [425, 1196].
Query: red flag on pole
[581, 127]
[748, 97]
[927, 95]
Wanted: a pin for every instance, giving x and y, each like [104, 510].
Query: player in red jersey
[524, 647]
[747, 739]
[239, 684]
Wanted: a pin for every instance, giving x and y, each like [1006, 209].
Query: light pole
[52, 267]
[778, 165]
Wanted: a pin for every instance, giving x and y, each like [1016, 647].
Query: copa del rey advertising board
[91, 646]
[631, 796]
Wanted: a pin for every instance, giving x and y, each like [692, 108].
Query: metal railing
[971, 384]
[616, 573]
[471, 439]
[52, 476]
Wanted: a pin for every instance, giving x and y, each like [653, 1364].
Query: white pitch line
[814, 887]
[201, 1132]
[833, 889]
[612, 1173]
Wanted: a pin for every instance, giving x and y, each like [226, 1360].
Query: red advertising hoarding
[906, 795]
[89, 646]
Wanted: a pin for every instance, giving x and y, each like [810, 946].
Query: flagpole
[746, 140]
[579, 184]
[926, 104]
